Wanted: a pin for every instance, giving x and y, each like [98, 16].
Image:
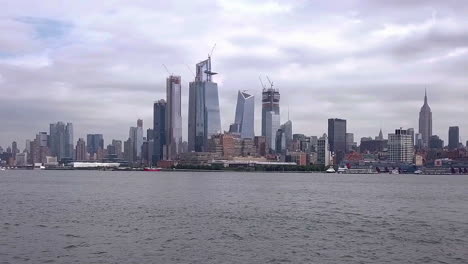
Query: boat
[418, 172]
[152, 169]
[2, 169]
[395, 171]
[330, 170]
[342, 170]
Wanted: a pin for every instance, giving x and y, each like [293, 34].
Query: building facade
[272, 124]
[270, 103]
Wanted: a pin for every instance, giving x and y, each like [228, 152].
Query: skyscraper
[272, 124]
[136, 134]
[80, 152]
[288, 133]
[94, 143]
[425, 122]
[323, 151]
[270, 103]
[245, 111]
[337, 137]
[173, 117]
[118, 148]
[400, 146]
[454, 137]
[61, 140]
[204, 115]
[159, 130]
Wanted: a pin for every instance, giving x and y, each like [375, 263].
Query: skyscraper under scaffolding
[270, 113]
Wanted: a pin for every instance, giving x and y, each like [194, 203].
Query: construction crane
[168, 72]
[271, 83]
[261, 82]
[212, 50]
[190, 70]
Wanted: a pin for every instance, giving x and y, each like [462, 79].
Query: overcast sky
[98, 64]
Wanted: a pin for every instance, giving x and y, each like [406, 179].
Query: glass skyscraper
[173, 117]
[337, 137]
[244, 119]
[270, 102]
[204, 115]
[159, 130]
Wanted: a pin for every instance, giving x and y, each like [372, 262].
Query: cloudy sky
[98, 64]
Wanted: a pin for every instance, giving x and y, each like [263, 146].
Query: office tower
[21, 159]
[272, 124]
[149, 134]
[118, 148]
[270, 103]
[418, 142]
[337, 137]
[323, 151]
[159, 130]
[1, 150]
[136, 134]
[411, 132]
[204, 115]
[454, 137]
[69, 150]
[425, 122]
[280, 144]
[288, 133]
[244, 118]
[80, 150]
[129, 151]
[400, 146]
[14, 148]
[173, 116]
[349, 142]
[94, 143]
[27, 147]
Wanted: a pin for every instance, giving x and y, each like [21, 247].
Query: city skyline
[47, 53]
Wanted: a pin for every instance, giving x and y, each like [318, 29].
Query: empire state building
[425, 122]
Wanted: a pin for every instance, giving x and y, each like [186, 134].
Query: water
[141, 217]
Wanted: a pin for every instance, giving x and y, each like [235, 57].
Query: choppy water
[141, 217]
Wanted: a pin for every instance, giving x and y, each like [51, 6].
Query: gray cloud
[100, 66]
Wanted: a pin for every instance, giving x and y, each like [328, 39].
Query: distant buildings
[173, 117]
[400, 146]
[204, 119]
[453, 137]
[435, 142]
[244, 118]
[337, 137]
[425, 122]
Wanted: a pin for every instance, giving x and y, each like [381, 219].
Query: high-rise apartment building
[400, 146]
[244, 118]
[323, 151]
[80, 151]
[159, 130]
[454, 137]
[337, 138]
[173, 117]
[204, 119]
[425, 122]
